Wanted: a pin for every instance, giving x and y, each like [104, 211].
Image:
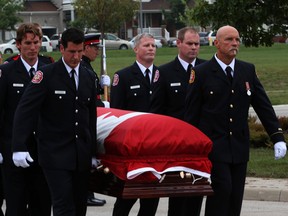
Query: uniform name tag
[60, 92]
[135, 87]
[175, 84]
[18, 85]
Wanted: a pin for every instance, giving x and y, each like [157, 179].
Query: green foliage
[257, 21]
[8, 13]
[177, 13]
[105, 15]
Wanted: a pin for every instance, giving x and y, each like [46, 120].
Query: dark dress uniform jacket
[132, 91]
[169, 92]
[67, 118]
[14, 79]
[220, 109]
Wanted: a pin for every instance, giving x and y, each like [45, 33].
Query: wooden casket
[146, 155]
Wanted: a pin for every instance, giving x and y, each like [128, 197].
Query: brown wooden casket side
[172, 185]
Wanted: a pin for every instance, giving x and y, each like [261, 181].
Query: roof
[39, 6]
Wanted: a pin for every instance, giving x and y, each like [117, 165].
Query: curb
[266, 189]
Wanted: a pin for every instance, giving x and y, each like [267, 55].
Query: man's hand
[21, 159]
[105, 80]
[106, 104]
[280, 149]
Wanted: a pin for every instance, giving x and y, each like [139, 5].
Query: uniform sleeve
[193, 102]
[27, 112]
[118, 92]
[265, 111]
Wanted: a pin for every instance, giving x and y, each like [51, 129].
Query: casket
[146, 155]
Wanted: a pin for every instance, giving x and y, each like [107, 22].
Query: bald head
[227, 43]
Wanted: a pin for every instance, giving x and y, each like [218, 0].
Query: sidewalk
[266, 189]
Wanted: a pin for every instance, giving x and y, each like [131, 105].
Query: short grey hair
[140, 36]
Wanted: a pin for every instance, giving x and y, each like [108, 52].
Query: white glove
[280, 150]
[20, 159]
[106, 104]
[1, 158]
[94, 162]
[105, 80]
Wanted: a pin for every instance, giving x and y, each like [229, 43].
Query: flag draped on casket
[138, 145]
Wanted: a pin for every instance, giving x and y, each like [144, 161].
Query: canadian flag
[144, 145]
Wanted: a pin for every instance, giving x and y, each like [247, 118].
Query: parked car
[204, 40]
[172, 42]
[114, 42]
[46, 44]
[55, 41]
[211, 37]
[157, 43]
[9, 47]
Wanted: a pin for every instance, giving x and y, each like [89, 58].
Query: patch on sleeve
[192, 77]
[115, 80]
[38, 77]
[156, 77]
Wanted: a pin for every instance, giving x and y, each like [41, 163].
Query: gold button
[231, 120]
[230, 133]
[232, 91]
[231, 105]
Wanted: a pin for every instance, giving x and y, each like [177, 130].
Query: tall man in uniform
[62, 97]
[23, 187]
[218, 99]
[168, 98]
[131, 90]
[90, 52]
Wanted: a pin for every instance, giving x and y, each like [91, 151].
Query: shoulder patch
[38, 77]
[115, 80]
[156, 76]
[192, 77]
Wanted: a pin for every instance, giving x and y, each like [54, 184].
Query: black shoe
[95, 202]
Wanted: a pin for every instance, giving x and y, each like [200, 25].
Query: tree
[256, 20]
[177, 12]
[105, 15]
[8, 14]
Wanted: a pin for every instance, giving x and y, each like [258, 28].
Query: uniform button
[135, 94]
[60, 97]
[76, 123]
[88, 99]
[230, 133]
[176, 91]
[76, 111]
[76, 136]
[211, 92]
[150, 92]
[231, 105]
[34, 132]
[231, 120]
[18, 92]
[76, 98]
[232, 91]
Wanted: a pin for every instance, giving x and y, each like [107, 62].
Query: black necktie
[189, 68]
[228, 73]
[32, 72]
[73, 77]
[147, 71]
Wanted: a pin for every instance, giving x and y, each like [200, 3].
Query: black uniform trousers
[185, 206]
[65, 185]
[29, 182]
[148, 207]
[227, 179]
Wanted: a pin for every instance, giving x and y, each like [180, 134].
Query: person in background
[168, 98]
[23, 188]
[43, 58]
[219, 95]
[91, 48]
[61, 97]
[131, 90]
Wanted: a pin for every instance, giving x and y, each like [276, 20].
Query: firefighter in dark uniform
[131, 90]
[218, 99]
[62, 97]
[23, 187]
[91, 48]
[44, 59]
[168, 98]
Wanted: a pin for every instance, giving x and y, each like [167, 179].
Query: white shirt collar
[68, 68]
[185, 64]
[223, 65]
[27, 66]
[143, 69]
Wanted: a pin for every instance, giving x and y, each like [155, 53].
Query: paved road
[281, 110]
[250, 208]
